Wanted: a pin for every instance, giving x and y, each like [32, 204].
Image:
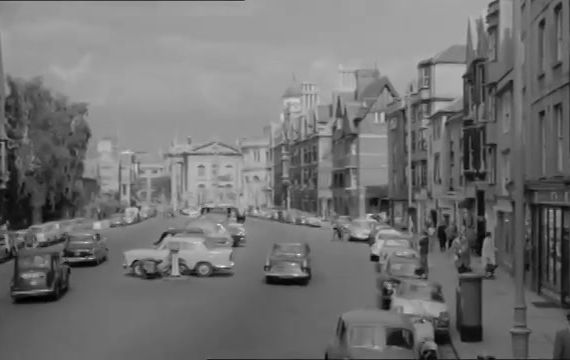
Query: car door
[189, 253]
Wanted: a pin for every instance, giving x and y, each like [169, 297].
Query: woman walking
[488, 256]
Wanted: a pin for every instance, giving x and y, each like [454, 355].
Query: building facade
[128, 170]
[205, 173]
[108, 163]
[546, 36]
[438, 84]
[255, 172]
[360, 143]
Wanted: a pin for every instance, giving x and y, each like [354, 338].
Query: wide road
[107, 315]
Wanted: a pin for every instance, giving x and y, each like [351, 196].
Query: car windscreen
[289, 250]
[38, 261]
[403, 243]
[361, 224]
[421, 291]
[379, 337]
[407, 269]
[81, 239]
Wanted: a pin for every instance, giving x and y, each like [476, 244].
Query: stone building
[255, 174]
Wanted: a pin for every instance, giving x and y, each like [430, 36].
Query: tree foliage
[48, 136]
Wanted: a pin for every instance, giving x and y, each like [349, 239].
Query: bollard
[471, 307]
[174, 266]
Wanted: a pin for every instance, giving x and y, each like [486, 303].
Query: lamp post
[4, 176]
[408, 118]
[519, 332]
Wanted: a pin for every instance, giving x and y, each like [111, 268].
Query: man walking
[442, 236]
[424, 251]
[562, 342]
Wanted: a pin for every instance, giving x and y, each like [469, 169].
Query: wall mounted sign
[559, 197]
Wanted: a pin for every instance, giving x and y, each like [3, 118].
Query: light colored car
[194, 254]
[215, 231]
[420, 298]
[378, 334]
[46, 234]
[382, 248]
[313, 221]
[360, 229]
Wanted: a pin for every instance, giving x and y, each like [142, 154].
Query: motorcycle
[154, 269]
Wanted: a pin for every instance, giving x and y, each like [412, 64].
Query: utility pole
[4, 176]
[520, 332]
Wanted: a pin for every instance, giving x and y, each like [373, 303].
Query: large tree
[49, 137]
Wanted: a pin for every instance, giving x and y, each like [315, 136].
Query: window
[491, 105]
[506, 169]
[560, 135]
[558, 26]
[256, 156]
[201, 170]
[492, 53]
[426, 110]
[481, 83]
[551, 242]
[543, 140]
[541, 46]
[425, 77]
[506, 109]
[436, 169]
[492, 170]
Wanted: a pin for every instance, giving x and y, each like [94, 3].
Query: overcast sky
[152, 70]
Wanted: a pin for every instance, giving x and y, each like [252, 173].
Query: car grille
[78, 253]
[286, 266]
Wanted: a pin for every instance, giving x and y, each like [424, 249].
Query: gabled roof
[373, 91]
[455, 54]
[454, 107]
[214, 147]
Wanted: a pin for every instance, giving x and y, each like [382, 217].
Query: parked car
[401, 266]
[216, 232]
[194, 256]
[377, 334]
[117, 220]
[85, 247]
[360, 229]
[288, 261]
[378, 227]
[39, 272]
[313, 221]
[238, 233]
[419, 298]
[383, 247]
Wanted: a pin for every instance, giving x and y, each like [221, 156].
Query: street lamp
[520, 332]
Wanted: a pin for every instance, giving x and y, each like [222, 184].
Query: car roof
[291, 244]
[375, 316]
[38, 251]
[82, 233]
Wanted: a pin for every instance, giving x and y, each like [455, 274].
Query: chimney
[189, 140]
[365, 77]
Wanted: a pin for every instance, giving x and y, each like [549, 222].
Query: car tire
[269, 280]
[204, 269]
[15, 300]
[305, 282]
[137, 269]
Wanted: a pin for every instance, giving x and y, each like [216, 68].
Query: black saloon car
[39, 273]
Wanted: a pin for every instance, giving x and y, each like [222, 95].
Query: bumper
[80, 259]
[284, 275]
[239, 238]
[360, 237]
[31, 293]
[225, 266]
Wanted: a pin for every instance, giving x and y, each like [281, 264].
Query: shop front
[549, 263]
[500, 224]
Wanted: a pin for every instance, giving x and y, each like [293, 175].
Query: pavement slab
[498, 301]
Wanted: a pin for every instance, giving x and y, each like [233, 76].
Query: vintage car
[85, 247]
[359, 229]
[378, 334]
[194, 255]
[215, 231]
[424, 299]
[46, 234]
[39, 272]
[288, 261]
[238, 233]
[401, 266]
[117, 220]
[376, 228]
[383, 247]
[313, 221]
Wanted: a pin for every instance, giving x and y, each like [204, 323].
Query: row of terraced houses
[440, 151]
[458, 116]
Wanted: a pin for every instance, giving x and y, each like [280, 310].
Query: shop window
[551, 246]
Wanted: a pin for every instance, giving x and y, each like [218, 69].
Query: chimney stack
[189, 140]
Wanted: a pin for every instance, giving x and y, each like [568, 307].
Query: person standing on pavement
[431, 235]
[442, 237]
[424, 251]
[451, 234]
[488, 255]
[337, 233]
[562, 342]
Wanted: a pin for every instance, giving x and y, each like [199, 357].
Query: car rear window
[40, 261]
[422, 291]
[378, 337]
[403, 268]
[397, 243]
[288, 249]
[83, 239]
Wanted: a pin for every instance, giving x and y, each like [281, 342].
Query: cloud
[73, 74]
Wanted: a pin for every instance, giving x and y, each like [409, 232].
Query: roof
[375, 316]
[38, 251]
[455, 54]
[294, 90]
[453, 107]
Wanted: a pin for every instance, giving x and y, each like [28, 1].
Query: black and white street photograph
[285, 179]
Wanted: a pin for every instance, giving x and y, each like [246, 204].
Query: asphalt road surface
[107, 315]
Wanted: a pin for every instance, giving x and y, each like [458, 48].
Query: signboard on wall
[557, 197]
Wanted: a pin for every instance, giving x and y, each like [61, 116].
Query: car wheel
[269, 280]
[138, 269]
[56, 293]
[15, 300]
[204, 269]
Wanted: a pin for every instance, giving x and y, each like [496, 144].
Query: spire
[482, 45]
[469, 48]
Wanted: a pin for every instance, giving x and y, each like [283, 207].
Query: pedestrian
[562, 342]
[442, 237]
[424, 251]
[462, 253]
[337, 232]
[431, 235]
[488, 255]
[451, 234]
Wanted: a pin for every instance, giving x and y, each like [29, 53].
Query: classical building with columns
[205, 173]
[256, 172]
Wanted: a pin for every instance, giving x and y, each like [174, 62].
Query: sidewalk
[498, 298]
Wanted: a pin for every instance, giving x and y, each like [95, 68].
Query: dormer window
[425, 77]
